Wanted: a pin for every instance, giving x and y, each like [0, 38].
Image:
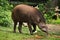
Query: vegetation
[6, 24]
[5, 13]
[6, 8]
[6, 33]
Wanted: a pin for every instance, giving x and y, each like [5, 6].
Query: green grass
[6, 33]
[54, 21]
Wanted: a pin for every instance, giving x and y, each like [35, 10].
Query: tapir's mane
[41, 16]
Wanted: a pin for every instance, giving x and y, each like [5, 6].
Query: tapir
[30, 15]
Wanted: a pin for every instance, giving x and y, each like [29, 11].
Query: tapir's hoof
[33, 30]
[31, 33]
[14, 31]
[20, 32]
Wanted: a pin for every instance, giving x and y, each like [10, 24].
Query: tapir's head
[43, 27]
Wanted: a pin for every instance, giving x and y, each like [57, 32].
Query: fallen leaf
[38, 37]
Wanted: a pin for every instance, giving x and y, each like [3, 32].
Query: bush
[48, 15]
[5, 14]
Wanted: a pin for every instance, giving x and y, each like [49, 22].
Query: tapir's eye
[43, 26]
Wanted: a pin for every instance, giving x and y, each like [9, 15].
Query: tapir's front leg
[34, 27]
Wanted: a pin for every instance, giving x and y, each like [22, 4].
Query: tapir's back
[24, 8]
[24, 12]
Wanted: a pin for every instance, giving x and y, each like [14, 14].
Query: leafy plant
[5, 13]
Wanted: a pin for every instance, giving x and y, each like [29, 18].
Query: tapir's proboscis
[32, 16]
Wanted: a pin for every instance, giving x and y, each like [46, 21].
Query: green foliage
[5, 4]
[41, 7]
[48, 15]
[54, 21]
[5, 13]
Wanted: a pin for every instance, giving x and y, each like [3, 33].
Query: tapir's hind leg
[15, 23]
[20, 27]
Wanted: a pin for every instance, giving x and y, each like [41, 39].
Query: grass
[6, 33]
[54, 21]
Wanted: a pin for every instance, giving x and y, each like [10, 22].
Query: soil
[53, 27]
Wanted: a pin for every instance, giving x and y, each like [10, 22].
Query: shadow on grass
[13, 32]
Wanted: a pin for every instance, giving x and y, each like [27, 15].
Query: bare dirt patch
[53, 27]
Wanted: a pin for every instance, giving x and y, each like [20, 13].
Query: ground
[6, 33]
[54, 27]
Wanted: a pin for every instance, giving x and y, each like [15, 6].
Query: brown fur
[32, 16]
